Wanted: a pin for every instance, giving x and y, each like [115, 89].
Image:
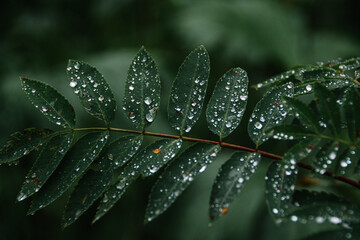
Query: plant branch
[225, 145]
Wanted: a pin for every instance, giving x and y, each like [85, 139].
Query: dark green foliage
[324, 133]
[178, 175]
[269, 111]
[50, 103]
[142, 90]
[22, 143]
[45, 164]
[78, 160]
[228, 102]
[188, 90]
[92, 89]
[230, 180]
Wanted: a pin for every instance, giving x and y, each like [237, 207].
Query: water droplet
[228, 124]
[131, 87]
[275, 211]
[294, 218]
[73, 84]
[101, 98]
[243, 97]
[308, 87]
[147, 101]
[335, 220]
[258, 125]
[202, 168]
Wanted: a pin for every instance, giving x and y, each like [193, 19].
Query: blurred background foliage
[263, 37]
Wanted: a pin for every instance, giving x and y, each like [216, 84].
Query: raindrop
[258, 125]
[243, 97]
[101, 98]
[308, 87]
[228, 124]
[202, 168]
[73, 84]
[275, 211]
[147, 101]
[131, 87]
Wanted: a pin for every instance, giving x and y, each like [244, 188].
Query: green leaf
[228, 102]
[113, 194]
[326, 157]
[268, 112]
[188, 90]
[94, 183]
[320, 207]
[348, 64]
[280, 185]
[288, 132]
[303, 112]
[46, 162]
[77, 161]
[50, 102]
[92, 89]
[351, 109]
[149, 160]
[177, 176]
[230, 180]
[328, 107]
[277, 79]
[319, 73]
[22, 143]
[142, 90]
[335, 235]
[308, 86]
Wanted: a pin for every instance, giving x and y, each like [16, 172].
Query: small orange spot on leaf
[157, 150]
[224, 210]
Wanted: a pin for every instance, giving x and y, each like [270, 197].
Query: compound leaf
[46, 162]
[230, 180]
[78, 160]
[50, 102]
[94, 183]
[228, 102]
[188, 90]
[177, 176]
[142, 90]
[92, 89]
[268, 112]
[22, 143]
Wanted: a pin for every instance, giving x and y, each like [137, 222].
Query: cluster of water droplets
[270, 111]
[142, 93]
[325, 209]
[55, 150]
[53, 108]
[94, 93]
[153, 157]
[326, 157]
[231, 179]
[189, 90]
[280, 186]
[178, 175]
[226, 106]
